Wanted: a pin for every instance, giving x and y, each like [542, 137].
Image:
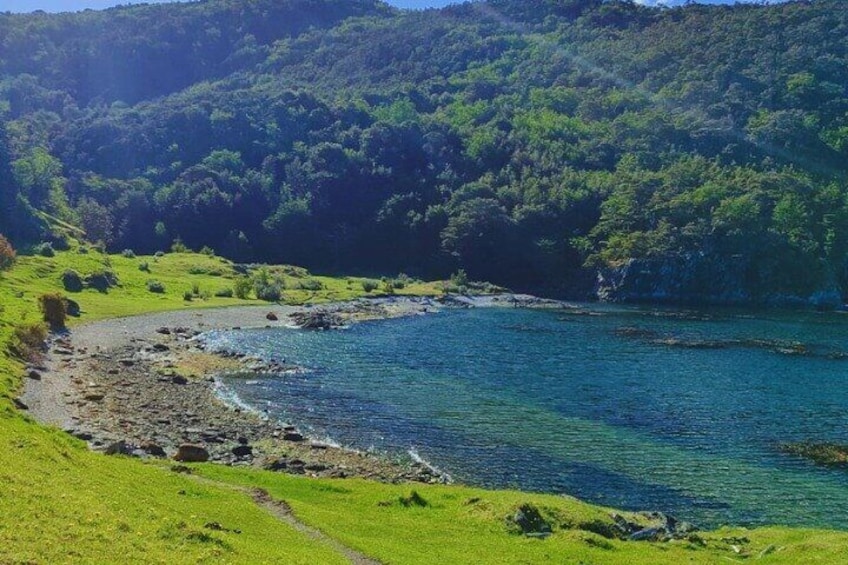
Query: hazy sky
[72, 5]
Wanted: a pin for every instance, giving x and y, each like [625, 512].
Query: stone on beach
[191, 453]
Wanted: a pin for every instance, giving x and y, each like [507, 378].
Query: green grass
[468, 525]
[61, 503]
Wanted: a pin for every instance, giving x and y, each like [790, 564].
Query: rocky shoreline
[144, 387]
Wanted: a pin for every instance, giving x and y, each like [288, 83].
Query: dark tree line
[527, 142]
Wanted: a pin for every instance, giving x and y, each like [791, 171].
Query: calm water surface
[602, 406]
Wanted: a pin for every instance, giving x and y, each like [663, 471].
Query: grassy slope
[59, 502]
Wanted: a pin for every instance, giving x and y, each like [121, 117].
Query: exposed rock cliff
[703, 279]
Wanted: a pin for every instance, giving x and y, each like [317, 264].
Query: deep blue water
[588, 405]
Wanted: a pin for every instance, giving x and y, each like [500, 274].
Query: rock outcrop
[703, 279]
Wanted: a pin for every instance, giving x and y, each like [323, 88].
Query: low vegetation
[54, 308]
[7, 253]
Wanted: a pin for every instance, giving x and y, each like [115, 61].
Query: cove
[641, 409]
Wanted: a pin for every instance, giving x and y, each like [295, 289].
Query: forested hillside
[533, 143]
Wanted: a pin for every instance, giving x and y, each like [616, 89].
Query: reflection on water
[662, 410]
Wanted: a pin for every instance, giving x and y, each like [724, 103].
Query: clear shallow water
[556, 402]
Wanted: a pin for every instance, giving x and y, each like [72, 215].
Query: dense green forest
[536, 144]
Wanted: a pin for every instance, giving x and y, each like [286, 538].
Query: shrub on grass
[144, 266]
[459, 278]
[60, 243]
[128, 253]
[388, 286]
[310, 284]
[206, 250]
[45, 249]
[242, 287]
[29, 339]
[369, 285]
[224, 293]
[178, 246]
[7, 253]
[55, 310]
[101, 281]
[266, 288]
[211, 271]
[188, 296]
[270, 292]
[72, 281]
[156, 287]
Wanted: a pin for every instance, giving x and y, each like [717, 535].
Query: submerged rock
[824, 453]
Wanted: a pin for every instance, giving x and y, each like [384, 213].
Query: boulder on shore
[191, 453]
[317, 320]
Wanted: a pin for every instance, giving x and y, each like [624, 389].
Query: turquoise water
[602, 407]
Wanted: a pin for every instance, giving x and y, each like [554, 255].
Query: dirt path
[283, 512]
[280, 510]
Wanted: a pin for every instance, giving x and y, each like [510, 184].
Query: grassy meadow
[60, 503]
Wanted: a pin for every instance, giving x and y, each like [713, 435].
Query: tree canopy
[530, 143]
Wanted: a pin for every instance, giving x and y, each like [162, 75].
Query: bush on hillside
[156, 287]
[388, 286]
[459, 278]
[267, 288]
[242, 287]
[60, 243]
[369, 285]
[7, 253]
[270, 292]
[101, 281]
[310, 284]
[45, 249]
[54, 308]
[29, 339]
[72, 281]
